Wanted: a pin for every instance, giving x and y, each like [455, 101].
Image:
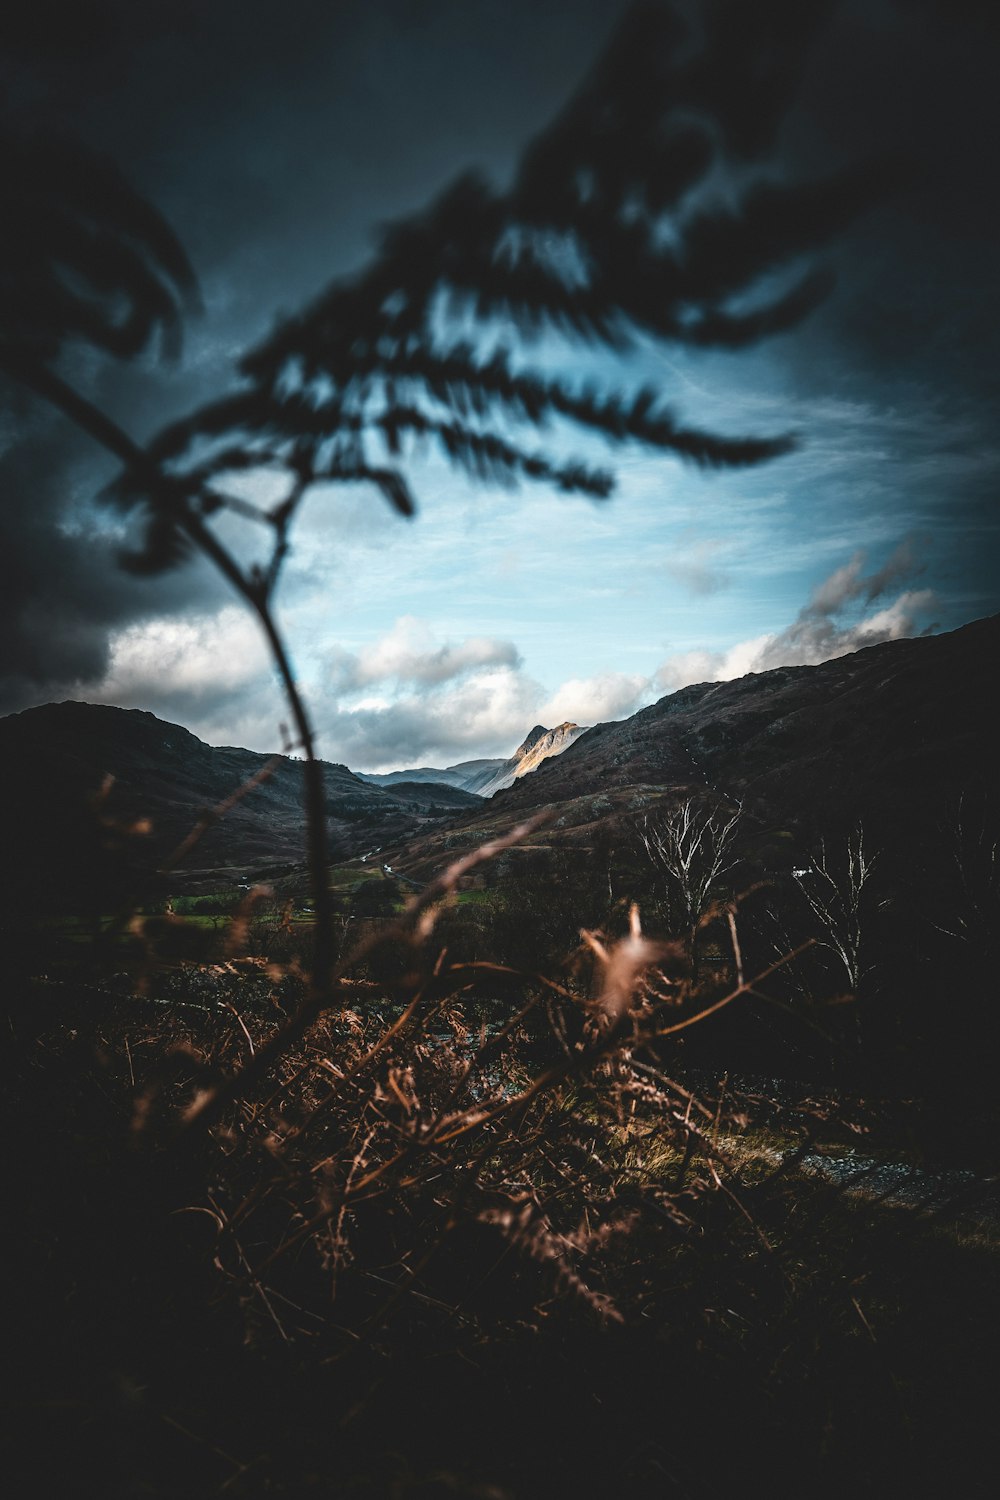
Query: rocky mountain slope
[539, 745]
[488, 776]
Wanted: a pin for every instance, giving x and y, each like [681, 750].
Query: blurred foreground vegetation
[496, 1225]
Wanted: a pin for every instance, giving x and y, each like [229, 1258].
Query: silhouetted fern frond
[612, 230]
[83, 256]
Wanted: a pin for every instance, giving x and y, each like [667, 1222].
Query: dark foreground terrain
[563, 1309]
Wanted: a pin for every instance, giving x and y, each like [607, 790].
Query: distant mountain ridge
[468, 775]
[484, 777]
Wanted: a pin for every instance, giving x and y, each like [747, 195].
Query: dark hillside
[893, 736]
[56, 759]
[885, 729]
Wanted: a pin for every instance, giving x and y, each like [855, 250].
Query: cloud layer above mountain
[408, 698]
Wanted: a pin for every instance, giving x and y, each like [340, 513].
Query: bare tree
[693, 847]
[972, 917]
[835, 886]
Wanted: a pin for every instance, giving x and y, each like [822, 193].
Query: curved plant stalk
[180, 504]
[372, 370]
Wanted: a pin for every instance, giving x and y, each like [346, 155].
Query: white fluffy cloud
[685, 667]
[593, 700]
[809, 641]
[407, 698]
[409, 654]
[198, 656]
[484, 713]
[849, 583]
[209, 672]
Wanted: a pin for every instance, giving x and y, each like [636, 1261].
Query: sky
[277, 140]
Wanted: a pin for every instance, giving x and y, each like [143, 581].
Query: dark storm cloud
[914, 323]
[916, 84]
[62, 592]
[303, 126]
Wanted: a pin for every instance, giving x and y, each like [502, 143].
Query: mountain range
[886, 734]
